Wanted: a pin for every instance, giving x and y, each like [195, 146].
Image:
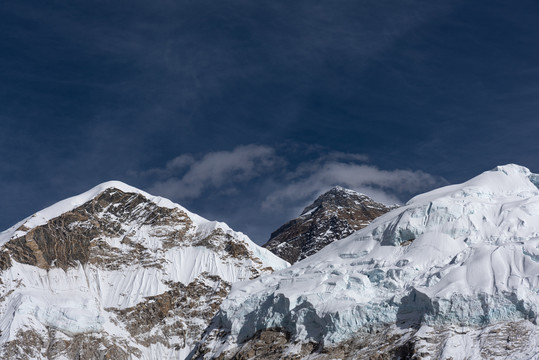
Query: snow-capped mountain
[332, 216]
[453, 274]
[116, 273]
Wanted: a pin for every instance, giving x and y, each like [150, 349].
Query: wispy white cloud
[344, 156]
[172, 167]
[189, 177]
[226, 170]
[253, 186]
[382, 185]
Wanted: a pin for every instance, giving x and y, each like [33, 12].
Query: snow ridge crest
[463, 256]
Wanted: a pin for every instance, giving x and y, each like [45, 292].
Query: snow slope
[462, 257]
[139, 254]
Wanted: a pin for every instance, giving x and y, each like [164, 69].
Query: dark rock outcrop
[78, 236]
[333, 216]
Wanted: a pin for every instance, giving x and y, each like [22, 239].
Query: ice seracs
[457, 265]
[118, 273]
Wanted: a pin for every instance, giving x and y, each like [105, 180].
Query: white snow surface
[465, 254]
[74, 301]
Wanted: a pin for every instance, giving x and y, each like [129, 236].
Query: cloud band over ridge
[281, 184]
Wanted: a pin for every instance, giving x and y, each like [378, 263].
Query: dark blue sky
[243, 111]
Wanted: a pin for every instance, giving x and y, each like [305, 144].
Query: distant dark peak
[337, 196]
[340, 189]
[332, 216]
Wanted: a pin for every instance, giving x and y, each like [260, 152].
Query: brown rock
[75, 236]
[333, 216]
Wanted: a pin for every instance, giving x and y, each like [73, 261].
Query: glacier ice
[463, 255]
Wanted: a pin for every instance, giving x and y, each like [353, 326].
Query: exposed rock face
[333, 216]
[80, 236]
[116, 273]
[181, 313]
[496, 341]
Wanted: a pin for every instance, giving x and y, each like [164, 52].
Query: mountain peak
[43, 216]
[513, 168]
[334, 215]
[510, 179]
[117, 266]
[337, 196]
[340, 189]
[457, 265]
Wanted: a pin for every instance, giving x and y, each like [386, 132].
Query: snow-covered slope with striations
[117, 273]
[452, 274]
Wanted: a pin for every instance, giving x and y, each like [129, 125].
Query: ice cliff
[455, 266]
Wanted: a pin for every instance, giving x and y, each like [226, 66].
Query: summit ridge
[117, 273]
[451, 274]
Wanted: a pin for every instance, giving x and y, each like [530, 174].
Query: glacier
[463, 256]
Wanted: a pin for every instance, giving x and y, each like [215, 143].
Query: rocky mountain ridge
[332, 216]
[117, 273]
